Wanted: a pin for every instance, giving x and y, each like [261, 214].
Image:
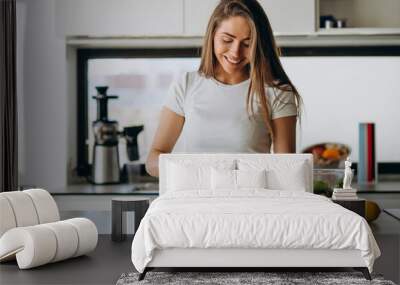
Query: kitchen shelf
[304, 40]
[359, 31]
[362, 17]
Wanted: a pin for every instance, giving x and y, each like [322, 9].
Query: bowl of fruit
[329, 155]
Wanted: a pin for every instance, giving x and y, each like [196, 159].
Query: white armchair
[31, 230]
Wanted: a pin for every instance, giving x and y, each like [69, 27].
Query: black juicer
[105, 168]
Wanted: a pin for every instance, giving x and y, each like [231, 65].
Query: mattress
[250, 219]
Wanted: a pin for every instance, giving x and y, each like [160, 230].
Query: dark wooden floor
[103, 266]
[110, 259]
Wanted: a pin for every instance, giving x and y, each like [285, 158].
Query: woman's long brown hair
[265, 66]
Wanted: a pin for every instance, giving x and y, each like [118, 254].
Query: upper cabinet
[105, 18]
[189, 18]
[287, 17]
[196, 16]
[291, 17]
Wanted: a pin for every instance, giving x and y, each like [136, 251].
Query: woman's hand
[284, 134]
[168, 131]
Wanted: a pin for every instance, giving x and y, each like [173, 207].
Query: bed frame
[256, 258]
[237, 258]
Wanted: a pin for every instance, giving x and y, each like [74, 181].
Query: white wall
[45, 100]
[46, 97]
[341, 92]
[21, 26]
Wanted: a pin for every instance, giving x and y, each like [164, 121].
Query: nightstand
[357, 206]
[138, 205]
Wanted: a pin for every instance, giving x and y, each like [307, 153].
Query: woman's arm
[284, 134]
[169, 129]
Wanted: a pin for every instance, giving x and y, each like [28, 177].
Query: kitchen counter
[380, 187]
[141, 188]
[151, 188]
[94, 201]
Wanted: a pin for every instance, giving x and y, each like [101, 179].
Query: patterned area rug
[242, 278]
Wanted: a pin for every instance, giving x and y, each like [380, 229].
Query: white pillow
[223, 179]
[292, 179]
[186, 175]
[282, 174]
[251, 178]
[226, 179]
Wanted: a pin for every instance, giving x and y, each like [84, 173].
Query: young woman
[240, 99]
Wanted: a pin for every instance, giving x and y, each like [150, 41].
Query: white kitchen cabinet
[105, 18]
[196, 16]
[287, 17]
[291, 17]
[129, 19]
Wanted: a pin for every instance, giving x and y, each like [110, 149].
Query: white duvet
[254, 218]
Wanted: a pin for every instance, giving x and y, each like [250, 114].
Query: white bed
[193, 225]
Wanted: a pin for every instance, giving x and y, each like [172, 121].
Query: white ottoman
[31, 233]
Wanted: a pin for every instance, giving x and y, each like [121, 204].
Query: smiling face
[232, 49]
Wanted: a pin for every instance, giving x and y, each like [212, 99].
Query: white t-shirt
[216, 118]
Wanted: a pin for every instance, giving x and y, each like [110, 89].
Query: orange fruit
[331, 153]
